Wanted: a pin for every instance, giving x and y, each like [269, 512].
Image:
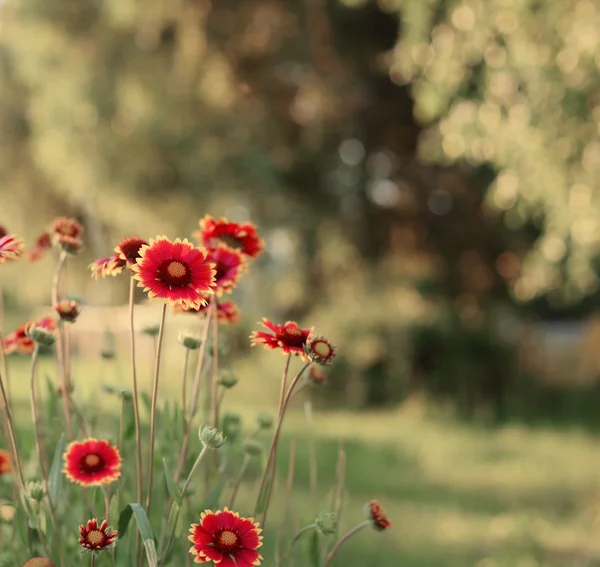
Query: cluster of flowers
[191, 279]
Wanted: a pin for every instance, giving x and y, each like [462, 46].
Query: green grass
[457, 495]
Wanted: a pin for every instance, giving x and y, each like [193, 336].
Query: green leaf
[212, 499]
[314, 553]
[171, 487]
[55, 476]
[52, 403]
[174, 516]
[144, 528]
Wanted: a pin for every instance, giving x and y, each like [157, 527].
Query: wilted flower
[189, 340]
[68, 310]
[92, 462]
[94, 537]
[226, 539]
[210, 437]
[326, 522]
[376, 514]
[288, 337]
[175, 272]
[241, 236]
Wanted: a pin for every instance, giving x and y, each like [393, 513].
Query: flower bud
[210, 437]
[252, 447]
[231, 424]
[319, 350]
[377, 515]
[69, 244]
[264, 420]
[189, 340]
[151, 330]
[68, 310]
[228, 380]
[326, 522]
[35, 490]
[41, 335]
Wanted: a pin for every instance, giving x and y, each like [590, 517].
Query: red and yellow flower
[18, 341]
[104, 267]
[43, 242]
[68, 310]
[319, 350]
[129, 249]
[11, 248]
[377, 515]
[227, 311]
[67, 233]
[230, 264]
[96, 537]
[92, 462]
[288, 337]
[176, 272]
[5, 462]
[226, 539]
[241, 236]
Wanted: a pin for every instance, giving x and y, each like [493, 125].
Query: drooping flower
[129, 249]
[11, 248]
[319, 350]
[96, 537]
[38, 562]
[104, 267]
[175, 272]
[226, 539]
[230, 264]
[19, 341]
[5, 462]
[288, 337]
[43, 242]
[92, 462]
[68, 310]
[377, 515]
[227, 311]
[67, 234]
[241, 236]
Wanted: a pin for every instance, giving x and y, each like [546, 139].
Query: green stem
[294, 540]
[153, 407]
[344, 539]
[238, 481]
[34, 415]
[186, 358]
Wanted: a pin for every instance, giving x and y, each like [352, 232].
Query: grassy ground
[458, 496]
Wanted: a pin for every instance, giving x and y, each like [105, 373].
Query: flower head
[242, 236]
[111, 266]
[19, 341]
[175, 272]
[210, 437]
[66, 233]
[38, 562]
[226, 539]
[377, 515]
[229, 263]
[288, 337]
[96, 537]
[92, 462]
[227, 311]
[5, 462]
[68, 310]
[129, 249]
[11, 248]
[43, 242]
[319, 350]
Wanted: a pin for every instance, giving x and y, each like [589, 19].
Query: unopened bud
[252, 447]
[228, 380]
[41, 335]
[210, 437]
[326, 522]
[231, 425]
[319, 350]
[68, 310]
[151, 330]
[264, 420]
[189, 340]
[35, 490]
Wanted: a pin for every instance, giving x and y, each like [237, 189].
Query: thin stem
[215, 369]
[93, 563]
[268, 463]
[294, 540]
[134, 391]
[183, 493]
[238, 480]
[34, 414]
[153, 407]
[344, 539]
[288, 500]
[186, 358]
[273, 450]
[3, 358]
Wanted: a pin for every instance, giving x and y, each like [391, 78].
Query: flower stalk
[344, 539]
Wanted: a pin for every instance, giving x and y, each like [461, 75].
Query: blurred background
[424, 174]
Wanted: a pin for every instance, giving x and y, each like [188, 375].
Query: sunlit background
[424, 173]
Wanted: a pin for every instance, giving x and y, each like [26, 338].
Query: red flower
[11, 248]
[68, 310]
[129, 249]
[377, 515]
[243, 237]
[229, 263]
[175, 272]
[94, 537]
[103, 267]
[5, 462]
[43, 242]
[227, 311]
[319, 350]
[62, 226]
[92, 462]
[288, 337]
[19, 341]
[226, 539]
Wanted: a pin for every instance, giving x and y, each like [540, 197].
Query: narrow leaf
[171, 487]
[55, 476]
[124, 518]
[144, 528]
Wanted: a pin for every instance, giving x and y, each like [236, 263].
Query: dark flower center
[174, 273]
[92, 463]
[232, 241]
[226, 541]
[221, 271]
[130, 248]
[292, 336]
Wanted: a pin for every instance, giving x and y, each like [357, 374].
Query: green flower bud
[228, 380]
[252, 448]
[35, 490]
[210, 437]
[264, 420]
[189, 340]
[41, 335]
[151, 330]
[231, 424]
[326, 522]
